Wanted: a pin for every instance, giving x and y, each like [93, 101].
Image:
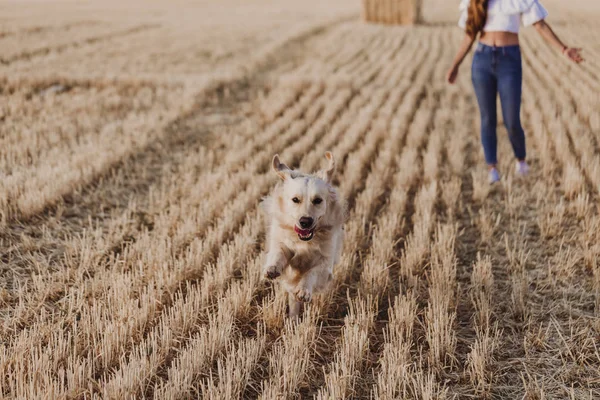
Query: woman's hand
[465, 46]
[451, 75]
[573, 54]
[548, 34]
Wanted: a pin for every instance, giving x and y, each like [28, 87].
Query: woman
[496, 66]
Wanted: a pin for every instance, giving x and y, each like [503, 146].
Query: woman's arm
[462, 52]
[548, 34]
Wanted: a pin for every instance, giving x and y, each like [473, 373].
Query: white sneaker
[493, 175]
[522, 168]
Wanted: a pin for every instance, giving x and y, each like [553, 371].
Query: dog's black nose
[306, 222]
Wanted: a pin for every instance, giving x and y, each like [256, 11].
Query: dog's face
[304, 204]
[304, 198]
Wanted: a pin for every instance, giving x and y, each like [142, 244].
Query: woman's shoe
[493, 175]
[522, 168]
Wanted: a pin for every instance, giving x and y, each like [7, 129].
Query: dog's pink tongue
[302, 232]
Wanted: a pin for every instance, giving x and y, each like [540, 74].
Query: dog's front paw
[271, 272]
[303, 295]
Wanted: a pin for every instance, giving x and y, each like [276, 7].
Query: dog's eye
[296, 200]
[317, 201]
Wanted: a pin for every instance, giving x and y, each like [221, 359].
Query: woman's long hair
[477, 14]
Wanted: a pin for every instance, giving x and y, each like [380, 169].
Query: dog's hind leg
[316, 280]
[294, 305]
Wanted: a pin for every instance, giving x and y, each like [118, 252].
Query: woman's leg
[485, 84]
[510, 80]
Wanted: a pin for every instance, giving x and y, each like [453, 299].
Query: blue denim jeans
[497, 70]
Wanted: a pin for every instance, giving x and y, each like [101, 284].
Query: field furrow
[16, 49]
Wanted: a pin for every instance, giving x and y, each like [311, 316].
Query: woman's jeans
[498, 70]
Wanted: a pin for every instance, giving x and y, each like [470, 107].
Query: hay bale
[393, 12]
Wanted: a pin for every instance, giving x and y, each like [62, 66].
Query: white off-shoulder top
[506, 15]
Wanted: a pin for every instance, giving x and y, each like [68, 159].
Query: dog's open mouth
[304, 234]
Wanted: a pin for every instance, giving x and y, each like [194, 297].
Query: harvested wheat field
[136, 140]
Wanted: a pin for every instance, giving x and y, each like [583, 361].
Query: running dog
[305, 231]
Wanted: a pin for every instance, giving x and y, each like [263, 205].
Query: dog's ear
[280, 168]
[330, 169]
[332, 194]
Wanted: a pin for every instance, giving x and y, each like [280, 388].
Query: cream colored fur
[303, 267]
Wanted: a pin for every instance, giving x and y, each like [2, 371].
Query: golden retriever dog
[305, 231]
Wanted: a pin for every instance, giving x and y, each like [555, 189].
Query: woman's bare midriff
[499, 39]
